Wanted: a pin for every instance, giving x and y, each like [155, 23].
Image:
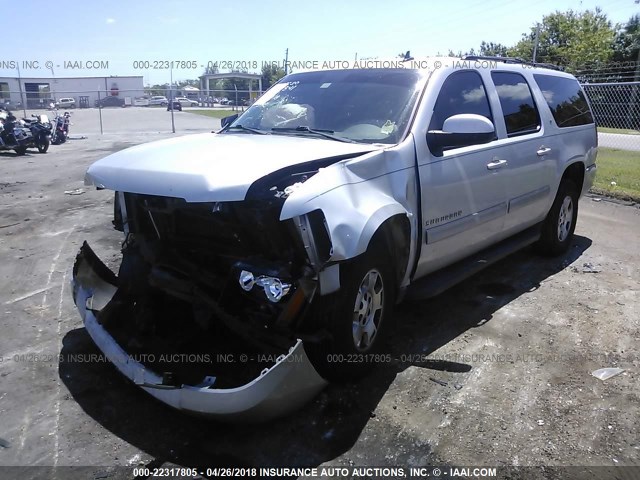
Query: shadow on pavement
[332, 423]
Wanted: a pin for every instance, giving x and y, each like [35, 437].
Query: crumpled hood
[209, 167]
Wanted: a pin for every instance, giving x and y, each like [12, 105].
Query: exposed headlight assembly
[274, 288]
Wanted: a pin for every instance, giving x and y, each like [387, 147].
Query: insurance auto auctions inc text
[378, 472]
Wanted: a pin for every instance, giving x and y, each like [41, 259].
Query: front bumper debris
[287, 385]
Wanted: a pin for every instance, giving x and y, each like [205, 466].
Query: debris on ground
[439, 382]
[606, 373]
[588, 267]
[77, 191]
[10, 225]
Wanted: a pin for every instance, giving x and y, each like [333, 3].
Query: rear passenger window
[462, 92]
[565, 99]
[520, 113]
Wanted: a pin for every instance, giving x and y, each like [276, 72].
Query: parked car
[110, 101]
[159, 100]
[239, 102]
[48, 103]
[65, 103]
[9, 105]
[174, 105]
[186, 102]
[295, 229]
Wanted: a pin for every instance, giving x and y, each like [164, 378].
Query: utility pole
[535, 44]
[173, 125]
[22, 101]
[286, 61]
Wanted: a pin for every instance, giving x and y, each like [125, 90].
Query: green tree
[158, 89]
[626, 45]
[230, 85]
[211, 70]
[493, 49]
[190, 83]
[460, 53]
[271, 73]
[571, 39]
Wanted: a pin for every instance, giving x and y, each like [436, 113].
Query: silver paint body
[457, 204]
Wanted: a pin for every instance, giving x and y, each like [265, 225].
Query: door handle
[496, 164]
[543, 151]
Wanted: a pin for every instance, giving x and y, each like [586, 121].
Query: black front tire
[43, 146]
[557, 229]
[356, 318]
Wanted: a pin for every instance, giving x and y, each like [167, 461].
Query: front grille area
[216, 235]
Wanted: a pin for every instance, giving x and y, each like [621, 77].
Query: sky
[142, 37]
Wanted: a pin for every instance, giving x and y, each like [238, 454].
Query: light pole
[24, 108]
[173, 124]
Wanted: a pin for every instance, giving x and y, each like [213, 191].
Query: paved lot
[497, 371]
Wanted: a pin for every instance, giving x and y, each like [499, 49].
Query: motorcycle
[61, 128]
[13, 137]
[40, 128]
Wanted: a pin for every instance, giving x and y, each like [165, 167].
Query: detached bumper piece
[278, 390]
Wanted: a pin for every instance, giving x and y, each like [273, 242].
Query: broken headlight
[274, 288]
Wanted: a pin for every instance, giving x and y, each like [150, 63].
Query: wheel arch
[574, 172]
[395, 234]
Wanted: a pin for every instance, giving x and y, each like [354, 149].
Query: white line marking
[56, 431]
[30, 294]
[52, 268]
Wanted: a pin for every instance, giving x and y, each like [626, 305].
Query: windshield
[369, 106]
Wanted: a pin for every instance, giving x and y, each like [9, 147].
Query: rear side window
[462, 92]
[520, 112]
[566, 100]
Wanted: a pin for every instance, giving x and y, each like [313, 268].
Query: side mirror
[460, 131]
[228, 120]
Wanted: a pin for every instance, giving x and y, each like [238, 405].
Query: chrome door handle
[543, 151]
[496, 164]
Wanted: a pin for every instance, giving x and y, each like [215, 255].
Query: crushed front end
[207, 310]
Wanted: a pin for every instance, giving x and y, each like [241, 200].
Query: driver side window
[462, 92]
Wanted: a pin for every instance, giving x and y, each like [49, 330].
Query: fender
[357, 196]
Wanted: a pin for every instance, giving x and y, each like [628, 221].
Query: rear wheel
[558, 227]
[356, 317]
[21, 150]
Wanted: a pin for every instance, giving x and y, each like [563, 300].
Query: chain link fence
[616, 108]
[121, 111]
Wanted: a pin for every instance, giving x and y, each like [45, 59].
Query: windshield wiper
[248, 129]
[321, 132]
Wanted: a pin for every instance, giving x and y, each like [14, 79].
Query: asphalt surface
[496, 371]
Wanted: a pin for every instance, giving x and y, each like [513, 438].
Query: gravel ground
[496, 371]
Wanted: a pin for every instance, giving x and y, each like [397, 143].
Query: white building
[38, 92]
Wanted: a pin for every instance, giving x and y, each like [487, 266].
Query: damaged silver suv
[264, 260]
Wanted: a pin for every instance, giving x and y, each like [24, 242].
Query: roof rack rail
[511, 60]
